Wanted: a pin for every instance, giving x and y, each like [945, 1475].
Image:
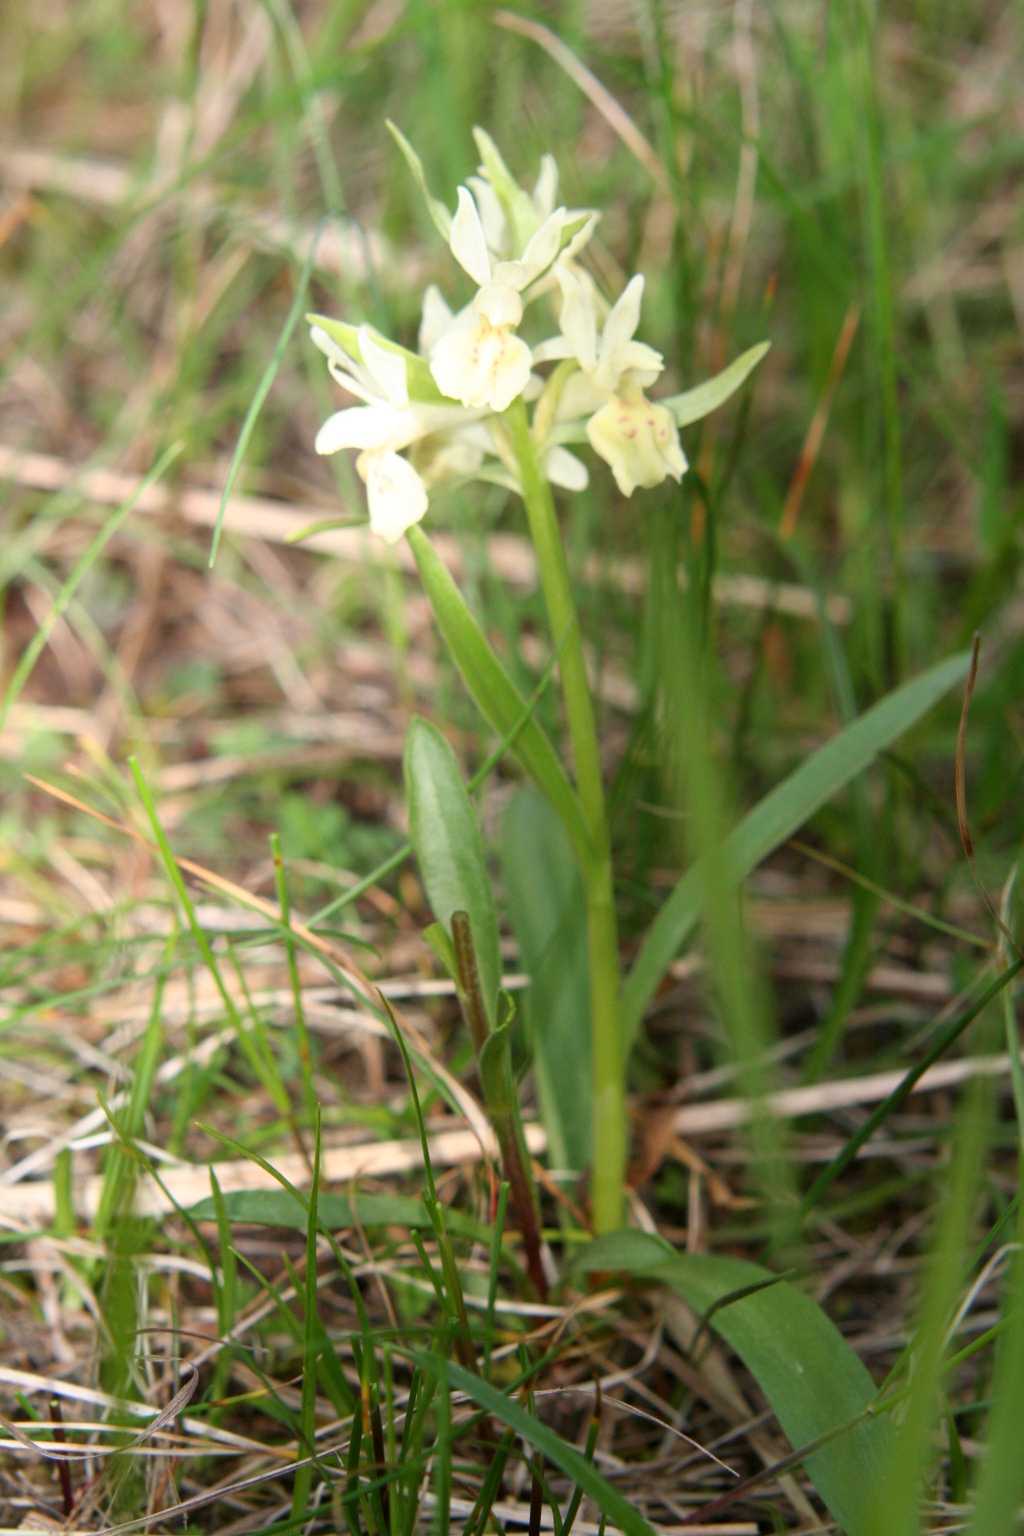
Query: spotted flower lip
[637, 439]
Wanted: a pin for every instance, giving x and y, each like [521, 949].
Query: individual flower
[507, 240]
[386, 423]
[637, 438]
[478, 358]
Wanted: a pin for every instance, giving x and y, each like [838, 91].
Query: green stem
[609, 1152]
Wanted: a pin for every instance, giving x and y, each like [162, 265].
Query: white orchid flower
[479, 359]
[504, 207]
[387, 422]
[639, 440]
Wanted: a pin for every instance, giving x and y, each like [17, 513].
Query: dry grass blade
[261, 517]
[34, 1200]
[617, 118]
[59, 1450]
[319, 945]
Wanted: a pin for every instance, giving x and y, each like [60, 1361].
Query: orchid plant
[477, 400]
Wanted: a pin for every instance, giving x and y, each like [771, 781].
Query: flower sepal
[419, 380]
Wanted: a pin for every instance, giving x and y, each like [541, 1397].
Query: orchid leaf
[694, 404]
[818, 1388]
[493, 691]
[449, 848]
[438, 212]
[779, 815]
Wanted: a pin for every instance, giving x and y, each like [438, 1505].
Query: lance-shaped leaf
[449, 849]
[778, 816]
[493, 691]
[816, 1385]
[707, 397]
[437, 210]
[547, 906]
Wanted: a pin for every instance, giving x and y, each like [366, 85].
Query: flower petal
[367, 426]
[499, 304]
[546, 186]
[386, 368]
[480, 365]
[553, 350]
[492, 215]
[544, 245]
[638, 440]
[636, 358]
[579, 316]
[397, 496]
[508, 372]
[588, 223]
[620, 327]
[468, 241]
[328, 346]
[565, 469]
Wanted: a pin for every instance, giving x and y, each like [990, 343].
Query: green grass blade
[64, 597]
[896, 1504]
[565, 1457]
[1001, 1482]
[262, 391]
[303, 1484]
[779, 814]
[338, 1213]
[943, 1038]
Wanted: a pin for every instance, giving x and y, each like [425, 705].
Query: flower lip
[396, 494]
[479, 364]
[638, 440]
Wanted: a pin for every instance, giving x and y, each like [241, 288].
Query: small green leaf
[336, 1213]
[548, 911]
[778, 816]
[493, 691]
[449, 849]
[438, 212]
[813, 1380]
[693, 404]
[496, 1076]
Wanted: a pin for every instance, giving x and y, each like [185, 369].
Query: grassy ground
[840, 182]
